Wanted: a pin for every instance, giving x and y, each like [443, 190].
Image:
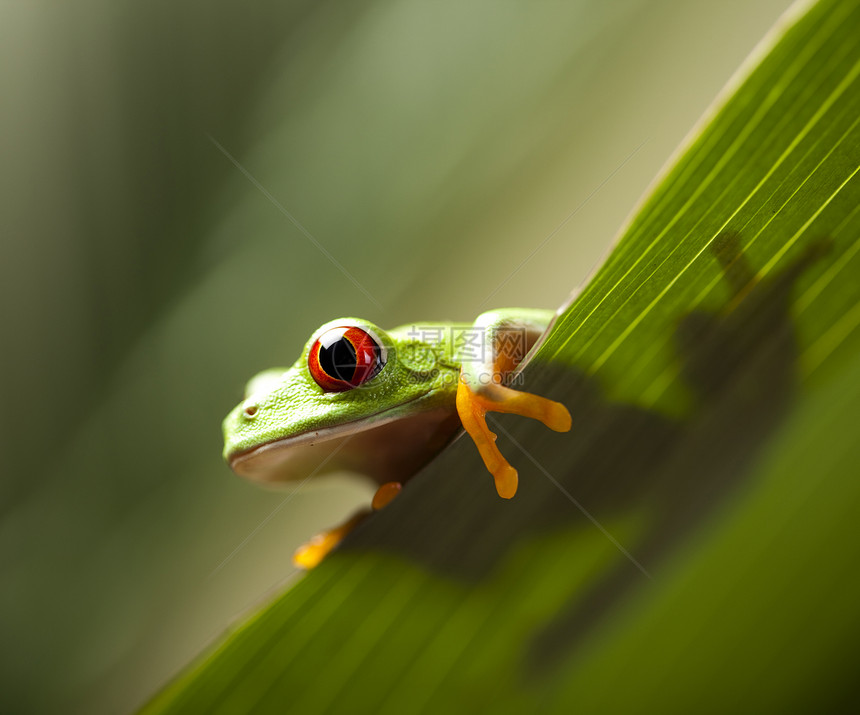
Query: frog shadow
[739, 364]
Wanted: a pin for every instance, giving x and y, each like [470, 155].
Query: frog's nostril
[250, 410]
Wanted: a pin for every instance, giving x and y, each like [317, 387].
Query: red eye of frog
[344, 357]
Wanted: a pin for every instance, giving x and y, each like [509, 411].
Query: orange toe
[309, 554]
[385, 495]
[473, 407]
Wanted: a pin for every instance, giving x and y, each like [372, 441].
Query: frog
[384, 403]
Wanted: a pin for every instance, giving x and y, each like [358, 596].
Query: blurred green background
[431, 148]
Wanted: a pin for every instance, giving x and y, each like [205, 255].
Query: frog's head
[358, 397]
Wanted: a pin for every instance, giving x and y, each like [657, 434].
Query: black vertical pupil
[337, 358]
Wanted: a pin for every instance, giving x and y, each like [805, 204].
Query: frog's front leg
[508, 336]
[309, 554]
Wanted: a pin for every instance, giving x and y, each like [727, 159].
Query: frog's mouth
[386, 447]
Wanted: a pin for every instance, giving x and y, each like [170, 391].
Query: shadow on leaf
[740, 365]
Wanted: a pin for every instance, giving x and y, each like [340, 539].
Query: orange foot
[312, 552]
[473, 407]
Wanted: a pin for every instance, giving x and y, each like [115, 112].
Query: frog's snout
[237, 425]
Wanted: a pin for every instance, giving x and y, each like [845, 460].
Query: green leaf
[691, 543]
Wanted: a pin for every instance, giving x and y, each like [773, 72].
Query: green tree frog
[384, 402]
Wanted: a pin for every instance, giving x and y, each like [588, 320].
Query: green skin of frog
[383, 403]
